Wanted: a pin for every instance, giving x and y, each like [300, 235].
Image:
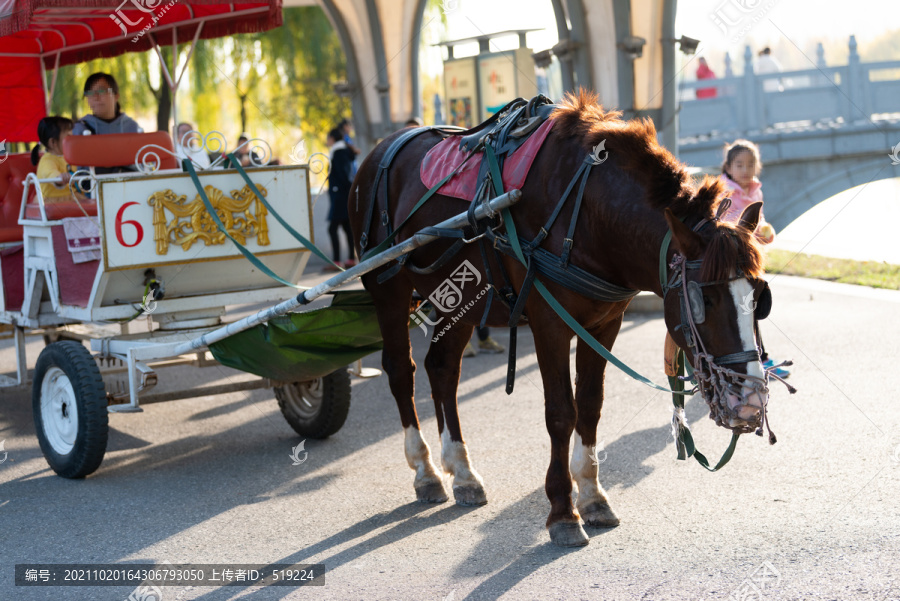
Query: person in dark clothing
[339, 183]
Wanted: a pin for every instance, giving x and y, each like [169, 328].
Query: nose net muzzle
[738, 401]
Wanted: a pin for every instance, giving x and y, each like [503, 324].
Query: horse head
[713, 297]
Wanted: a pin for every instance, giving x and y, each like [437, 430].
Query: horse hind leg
[587, 455]
[443, 366]
[396, 358]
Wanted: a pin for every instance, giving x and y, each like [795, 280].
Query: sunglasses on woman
[98, 92]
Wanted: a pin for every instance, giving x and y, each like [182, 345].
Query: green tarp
[304, 346]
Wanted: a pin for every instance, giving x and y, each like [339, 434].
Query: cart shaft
[417, 240]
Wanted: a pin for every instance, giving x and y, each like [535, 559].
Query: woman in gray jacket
[102, 93]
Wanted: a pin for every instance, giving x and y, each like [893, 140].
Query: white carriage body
[156, 224]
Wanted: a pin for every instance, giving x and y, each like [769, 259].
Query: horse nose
[748, 405]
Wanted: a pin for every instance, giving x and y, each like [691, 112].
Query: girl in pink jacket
[739, 173]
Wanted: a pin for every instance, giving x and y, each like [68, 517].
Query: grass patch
[864, 273]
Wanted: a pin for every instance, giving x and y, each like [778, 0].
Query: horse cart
[167, 245]
[158, 240]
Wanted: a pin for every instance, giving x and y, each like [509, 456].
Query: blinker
[764, 304]
[695, 302]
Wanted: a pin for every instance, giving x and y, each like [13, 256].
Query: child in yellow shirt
[51, 132]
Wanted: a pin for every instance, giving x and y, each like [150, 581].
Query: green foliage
[276, 85]
[130, 71]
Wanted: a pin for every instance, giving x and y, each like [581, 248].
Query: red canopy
[70, 32]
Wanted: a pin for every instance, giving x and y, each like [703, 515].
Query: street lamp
[633, 46]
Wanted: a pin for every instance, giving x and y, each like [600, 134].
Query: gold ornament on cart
[191, 222]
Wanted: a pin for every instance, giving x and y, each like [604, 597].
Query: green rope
[297, 236]
[189, 168]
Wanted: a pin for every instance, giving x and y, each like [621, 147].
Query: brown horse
[630, 202]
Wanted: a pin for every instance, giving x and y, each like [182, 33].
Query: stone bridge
[820, 131]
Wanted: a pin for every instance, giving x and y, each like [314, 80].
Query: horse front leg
[551, 341]
[443, 363]
[391, 303]
[593, 504]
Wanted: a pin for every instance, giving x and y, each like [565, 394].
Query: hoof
[469, 496]
[431, 493]
[568, 534]
[599, 515]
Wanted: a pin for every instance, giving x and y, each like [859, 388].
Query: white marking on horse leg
[740, 289]
[455, 460]
[585, 472]
[418, 456]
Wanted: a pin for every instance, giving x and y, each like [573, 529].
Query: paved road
[211, 480]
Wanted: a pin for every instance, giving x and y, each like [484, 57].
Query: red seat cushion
[60, 210]
[12, 180]
[117, 150]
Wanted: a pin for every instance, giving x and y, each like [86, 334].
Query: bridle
[712, 375]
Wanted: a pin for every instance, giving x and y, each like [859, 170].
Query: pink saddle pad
[446, 156]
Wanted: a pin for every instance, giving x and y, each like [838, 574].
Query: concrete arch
[362, 124]
[415, 84]
[830, 179]
[383, 86]
[380, 39]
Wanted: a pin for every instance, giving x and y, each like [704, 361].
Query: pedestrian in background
[340, 180]
[345, 127]
[705, 72]
[766, 63]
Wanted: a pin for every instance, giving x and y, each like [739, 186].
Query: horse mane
[634, 146]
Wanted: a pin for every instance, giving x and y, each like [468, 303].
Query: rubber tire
[90, 398]
[331, 414]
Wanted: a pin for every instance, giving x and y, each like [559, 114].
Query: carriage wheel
[69, 404]
[317, 408]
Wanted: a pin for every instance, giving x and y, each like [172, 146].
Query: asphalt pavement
[214, 480]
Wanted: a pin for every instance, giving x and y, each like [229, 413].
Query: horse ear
[750, 216]
[686, 240]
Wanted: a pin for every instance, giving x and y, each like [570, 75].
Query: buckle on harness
[385, 219]
[567, 248]
[363, 241]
